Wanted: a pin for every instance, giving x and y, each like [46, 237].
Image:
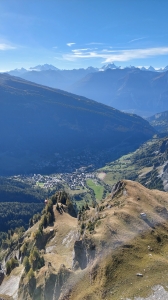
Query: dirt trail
[101, 175]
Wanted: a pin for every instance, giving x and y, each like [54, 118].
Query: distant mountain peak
[44, 67]
[109, 66]
[143, 69]
[92, 69]
[130, 67]
[151, 69]
[17, 71]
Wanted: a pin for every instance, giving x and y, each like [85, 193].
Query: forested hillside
[38, 124]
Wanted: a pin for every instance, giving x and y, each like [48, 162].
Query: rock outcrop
[84, 253]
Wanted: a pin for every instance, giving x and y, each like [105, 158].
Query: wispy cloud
[107, 51]
[116, 55]
[94, 43]
[83, 49]
[138, 39]
[125, 55]
[70, 44]
[4, 47]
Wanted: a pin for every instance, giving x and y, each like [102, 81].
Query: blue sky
[81, 33]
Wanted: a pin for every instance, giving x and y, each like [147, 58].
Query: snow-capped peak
[44, 67]
[109, 66]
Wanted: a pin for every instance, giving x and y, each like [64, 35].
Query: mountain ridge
[93, 251]
[119, 88]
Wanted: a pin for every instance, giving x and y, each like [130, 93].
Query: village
[75, 180]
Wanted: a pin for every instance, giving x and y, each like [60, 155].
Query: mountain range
[51, 76]
[39, 123]
[112, 66]
[129, 89]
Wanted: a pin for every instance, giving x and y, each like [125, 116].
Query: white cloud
[116, 55]
[125, 55]
[4, 47]
[70, 44]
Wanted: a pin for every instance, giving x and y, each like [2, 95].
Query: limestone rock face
[84, 252]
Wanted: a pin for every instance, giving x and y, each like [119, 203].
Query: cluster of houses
[44, 181]
[75, 180]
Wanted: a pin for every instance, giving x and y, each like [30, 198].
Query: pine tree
[26, 264]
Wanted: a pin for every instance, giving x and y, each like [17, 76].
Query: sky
[81, 33]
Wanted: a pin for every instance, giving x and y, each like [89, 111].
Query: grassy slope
[125, 245]
[143, 165]
[97, 188]
[125, 252]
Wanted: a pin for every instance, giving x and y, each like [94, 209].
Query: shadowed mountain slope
[134, 90]
[38, 122]
[129, 89]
